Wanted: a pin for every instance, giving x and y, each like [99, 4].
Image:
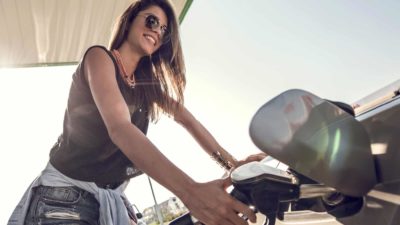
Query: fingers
[237, 214]
[252, 158]
[212, 205]
[226, 216]
[226, 182]
[257, 157]
[245, 210]
[239, 207]
[235, 211]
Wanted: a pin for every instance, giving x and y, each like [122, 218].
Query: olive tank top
[84, 151]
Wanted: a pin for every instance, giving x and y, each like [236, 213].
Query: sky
[238, 54]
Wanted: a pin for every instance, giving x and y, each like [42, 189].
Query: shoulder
[98, 55]
[97, 58]
[97, 51]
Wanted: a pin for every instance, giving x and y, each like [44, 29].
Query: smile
[150, 38]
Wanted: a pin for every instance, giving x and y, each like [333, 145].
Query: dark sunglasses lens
[152, 22]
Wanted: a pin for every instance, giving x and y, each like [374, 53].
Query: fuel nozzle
[266, 188]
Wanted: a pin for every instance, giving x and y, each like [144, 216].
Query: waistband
[108, 185]
[112, 207]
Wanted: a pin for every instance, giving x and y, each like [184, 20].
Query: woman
[113, 96]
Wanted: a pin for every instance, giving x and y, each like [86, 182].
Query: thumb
[226, 182]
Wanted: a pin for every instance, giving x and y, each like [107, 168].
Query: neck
[130, 58]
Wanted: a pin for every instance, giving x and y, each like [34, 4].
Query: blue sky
[239, 54]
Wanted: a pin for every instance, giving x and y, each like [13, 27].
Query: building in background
[170, 209]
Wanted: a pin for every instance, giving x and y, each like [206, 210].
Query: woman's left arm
[184, 117]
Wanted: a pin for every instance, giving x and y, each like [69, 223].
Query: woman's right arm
[201, 198]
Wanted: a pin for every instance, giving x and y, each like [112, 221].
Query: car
[340, 161]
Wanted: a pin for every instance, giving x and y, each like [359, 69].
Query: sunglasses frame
[149, 23]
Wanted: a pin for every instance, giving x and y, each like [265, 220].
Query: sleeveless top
[84, 151]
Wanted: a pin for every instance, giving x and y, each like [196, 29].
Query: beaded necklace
[129, 80]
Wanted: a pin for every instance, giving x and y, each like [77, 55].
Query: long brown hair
[164, 69]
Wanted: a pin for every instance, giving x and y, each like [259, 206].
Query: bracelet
[221, 161]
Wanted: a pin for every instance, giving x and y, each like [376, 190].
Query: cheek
[134, 29]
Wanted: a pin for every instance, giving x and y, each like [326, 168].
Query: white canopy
[53, 32]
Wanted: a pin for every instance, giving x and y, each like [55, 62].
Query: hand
[251, 158]
[212, 205]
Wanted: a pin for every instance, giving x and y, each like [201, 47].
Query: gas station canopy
[57, 32]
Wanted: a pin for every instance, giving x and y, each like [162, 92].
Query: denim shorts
[62, 206]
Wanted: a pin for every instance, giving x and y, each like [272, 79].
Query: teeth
[150, 38]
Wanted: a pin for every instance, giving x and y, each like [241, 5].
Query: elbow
[115, 132]
[182, 120]
[186, 120]
[182, 116]
[179, 119]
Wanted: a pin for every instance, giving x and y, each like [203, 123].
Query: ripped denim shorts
[62, 205]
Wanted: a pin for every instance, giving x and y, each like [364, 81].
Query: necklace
[129, 80]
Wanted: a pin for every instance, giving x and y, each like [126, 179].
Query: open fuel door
[317, 139]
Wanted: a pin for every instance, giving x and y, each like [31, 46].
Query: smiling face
[146, 39]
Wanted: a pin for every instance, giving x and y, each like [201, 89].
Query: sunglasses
[153, 23]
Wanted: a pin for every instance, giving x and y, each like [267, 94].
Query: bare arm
[204, 138]
[100, 73]
[208, 142]
[207, 201]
